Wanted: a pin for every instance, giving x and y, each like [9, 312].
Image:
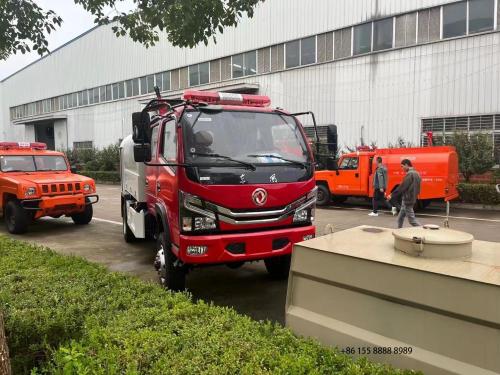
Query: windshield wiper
[17, 170]
[297, 162]
[209, 155]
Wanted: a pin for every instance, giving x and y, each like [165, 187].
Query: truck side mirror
[332, 164]
[141, 127]
[72, 168]
[142, 153]
[331, 138]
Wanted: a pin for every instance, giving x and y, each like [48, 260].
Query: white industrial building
[378, 69]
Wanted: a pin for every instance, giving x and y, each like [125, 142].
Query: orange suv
[35, 182]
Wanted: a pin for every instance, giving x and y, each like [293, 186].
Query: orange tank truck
[353, 174]
[35, 182]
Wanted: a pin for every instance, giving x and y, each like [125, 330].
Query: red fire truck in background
[217, 178]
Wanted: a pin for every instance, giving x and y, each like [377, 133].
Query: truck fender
[162, 220]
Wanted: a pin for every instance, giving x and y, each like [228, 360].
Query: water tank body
[132, 173]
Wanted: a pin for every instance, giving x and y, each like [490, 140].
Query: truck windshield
[251, 137]
[32, 163]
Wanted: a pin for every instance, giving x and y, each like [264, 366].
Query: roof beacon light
[22, 146]
[228, 98]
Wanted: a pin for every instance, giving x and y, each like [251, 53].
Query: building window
[362, 39]
[83, 98]
[277, 57]
[250, 63]
[342, 40]
[199, 74]
[292, 54]
[82, 145]
[382, 34]
[163, 81]
[132, 87]
[102, 93]
[444, 128]
[406, 30]
[108, 93]
[144, 85]
[118, 90]
[454, 20]
[325, 47]
[264, 60]
[429, 25]
[237, 63]
[151, 83]
[481, 15]
[308, 51]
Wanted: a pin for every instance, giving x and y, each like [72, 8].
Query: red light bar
[22, 146]
[211, 97]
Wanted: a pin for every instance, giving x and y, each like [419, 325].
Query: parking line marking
[429, 215]
[107, 221]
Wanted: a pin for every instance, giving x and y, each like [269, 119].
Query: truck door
[151, 172]
[348, 179]
[167, 181]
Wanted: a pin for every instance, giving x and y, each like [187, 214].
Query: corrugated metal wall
[387, 93]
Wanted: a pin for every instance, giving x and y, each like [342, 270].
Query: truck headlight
[87, 188]
[301, 215]
[194, 214]
[30, 192]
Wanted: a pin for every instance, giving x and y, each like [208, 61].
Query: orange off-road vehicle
[35, 182]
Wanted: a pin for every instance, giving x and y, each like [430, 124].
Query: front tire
[16, 217]
[323, 195]
[83, 218]
[172, 274]
[278, 267]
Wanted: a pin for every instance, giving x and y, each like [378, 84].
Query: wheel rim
[160, 264]
[321, 195]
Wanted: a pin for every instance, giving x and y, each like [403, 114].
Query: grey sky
[75, 22]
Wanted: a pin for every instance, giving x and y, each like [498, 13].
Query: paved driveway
[248, 289]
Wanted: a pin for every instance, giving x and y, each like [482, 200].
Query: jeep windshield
[32, 163]
[245, 147]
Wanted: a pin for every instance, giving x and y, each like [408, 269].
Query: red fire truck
[217, 178]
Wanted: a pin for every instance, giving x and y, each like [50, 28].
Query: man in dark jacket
[379, 188]
[409, 190]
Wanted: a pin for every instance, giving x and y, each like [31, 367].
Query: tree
[475, 153]
[24, 25]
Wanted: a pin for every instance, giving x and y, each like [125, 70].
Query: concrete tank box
[433, 305]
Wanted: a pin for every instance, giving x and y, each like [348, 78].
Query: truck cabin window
[32, 163]
[252, 137]
[349, 164]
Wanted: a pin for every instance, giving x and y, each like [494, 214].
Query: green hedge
[479, 193]
[102, 176]
[65, 315]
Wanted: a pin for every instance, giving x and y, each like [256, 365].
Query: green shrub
[65, 315]
[102, 176]
[478, 193]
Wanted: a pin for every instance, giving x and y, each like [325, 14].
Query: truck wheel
[16, 217]
[323, 196]
[278, 267]
[172, 275]
[84, 217]
[128, 235]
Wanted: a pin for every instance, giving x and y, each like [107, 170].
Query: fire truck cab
[217, 178]
[36, 182]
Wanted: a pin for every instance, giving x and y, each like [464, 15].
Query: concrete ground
[248, 289]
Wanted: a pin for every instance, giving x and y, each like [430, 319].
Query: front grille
[54, 189]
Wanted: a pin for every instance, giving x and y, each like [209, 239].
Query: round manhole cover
[372, 230]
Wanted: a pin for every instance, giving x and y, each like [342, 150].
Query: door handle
[356, 175]
[147, 182]
[158, 186]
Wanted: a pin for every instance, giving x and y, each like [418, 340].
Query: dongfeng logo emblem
[259, 197]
